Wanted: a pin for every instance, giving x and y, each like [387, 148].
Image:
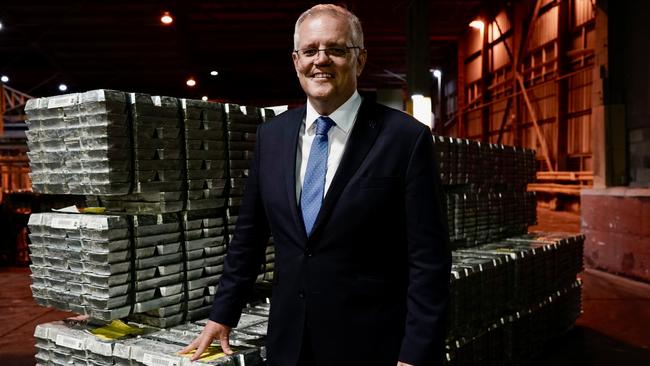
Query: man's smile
[322, 75]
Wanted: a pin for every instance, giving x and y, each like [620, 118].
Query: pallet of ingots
[485, 347]
[161, 348]
[252, 326]
[158, 158]
[526, 268]
[445, 151]
[110, 266]
[80, 143]
[463, 310]
[206, 154]
[484, 167]
[242, 123]
[117, 343]
[104, 142]
[527, 330]
[204, 249]
[480, 218]
[103, 266]
[76, 342]
[542, 262]
[565, 254]
[204, 244]
[478, 291]
[518, 337]
[489, 277]
[462, 176]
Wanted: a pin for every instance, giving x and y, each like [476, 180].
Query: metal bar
[565, 175]
[536, 86]
[572, 190]
[504, 120]
[485, 81]
[17, 92]
[562, 86]
[533, 117]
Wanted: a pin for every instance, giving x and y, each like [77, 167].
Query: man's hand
[211, 331]
[399, 363]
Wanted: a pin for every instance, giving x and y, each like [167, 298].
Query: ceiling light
[4, 78]
[0, 25]
[437, 73]
[214, 72]
[190, 82]
[477, 24]
[63, 87]
[204, 98]
[166, 18]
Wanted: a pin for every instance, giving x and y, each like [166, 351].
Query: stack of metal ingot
[485, 187]
[497, 270]
[242, 125]
[476, 218]
[118, 343]
[157, 152]
[241, 128]
[80, 143]
[518, 292]
[518, 338]
[164, 170]
[107, 266]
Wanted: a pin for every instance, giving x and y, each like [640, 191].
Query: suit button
[309, 253]
[301, 294]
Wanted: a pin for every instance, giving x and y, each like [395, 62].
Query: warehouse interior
[568, 79]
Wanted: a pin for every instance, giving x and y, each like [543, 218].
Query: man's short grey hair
[336, 11]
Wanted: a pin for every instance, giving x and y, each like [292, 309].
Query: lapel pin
[371, 124]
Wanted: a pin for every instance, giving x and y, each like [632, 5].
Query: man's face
[327, 79]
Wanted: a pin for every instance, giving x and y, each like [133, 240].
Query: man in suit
[350, 191]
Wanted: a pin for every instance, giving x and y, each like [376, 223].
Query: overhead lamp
[4, 78]
[204, 98]
[63, 87]
[437, 73]
[422, 109]
[190, 82]
[0, 25]
[477, 24]
[166, 18]
[214, 72]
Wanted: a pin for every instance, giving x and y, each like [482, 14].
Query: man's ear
[361, 61]
[294, 57]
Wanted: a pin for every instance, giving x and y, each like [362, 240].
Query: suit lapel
[290, 151]
[363, 136]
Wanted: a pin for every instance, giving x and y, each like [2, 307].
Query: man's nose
[321, 57]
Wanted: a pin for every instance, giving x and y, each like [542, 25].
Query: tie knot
[323, 124]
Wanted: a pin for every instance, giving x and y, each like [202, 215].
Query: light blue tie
[313, 186]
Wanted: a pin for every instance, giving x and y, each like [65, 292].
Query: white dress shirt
[337, 137]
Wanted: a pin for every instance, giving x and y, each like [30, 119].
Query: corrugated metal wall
[556, 73]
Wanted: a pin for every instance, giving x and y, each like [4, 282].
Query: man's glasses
[329, 51]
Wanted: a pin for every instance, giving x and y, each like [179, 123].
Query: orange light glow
[477, 24]
[166, 18]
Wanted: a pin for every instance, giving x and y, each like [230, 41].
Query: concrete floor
[614, 328]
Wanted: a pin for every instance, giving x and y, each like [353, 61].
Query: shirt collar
[343, 116]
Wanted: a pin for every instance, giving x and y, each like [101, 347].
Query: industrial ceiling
[123, 45]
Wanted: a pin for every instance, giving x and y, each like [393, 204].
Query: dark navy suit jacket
[371, 284]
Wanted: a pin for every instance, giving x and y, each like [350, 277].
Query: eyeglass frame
[326, 50]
